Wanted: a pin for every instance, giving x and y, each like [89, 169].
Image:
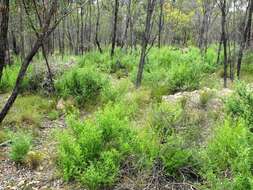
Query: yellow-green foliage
[28, 111]
[227, 159]
[33, 159]
[20, 146]
[205, 96]
[3, 136]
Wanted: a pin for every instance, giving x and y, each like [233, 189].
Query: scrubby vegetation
[135, 133]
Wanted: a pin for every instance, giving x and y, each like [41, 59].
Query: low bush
[227, 159]
[164, 118]
[85, 85]
[184, 77]
[239, 105]
[177, 158]
[205, 96]
[21, 144]
[93, 150]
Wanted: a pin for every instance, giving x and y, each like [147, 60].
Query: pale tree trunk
[128, 17]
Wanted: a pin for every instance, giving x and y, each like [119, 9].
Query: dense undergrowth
[132, 133]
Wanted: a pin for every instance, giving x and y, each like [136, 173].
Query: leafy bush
[239, 105]
[176, 156]
[164, 119]
[227, 159]
[84, 84]
[205, 96]
[21, 144]
[92, 151]
[183, 77]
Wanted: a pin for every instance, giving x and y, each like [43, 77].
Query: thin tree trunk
[4, 16]
[224, 38]
[38, 43]
[82, 32]
[128, 17]
[160, 23]
[247, 24]
[97, 28]
[22, 38]
[145, 40]
[114, 32]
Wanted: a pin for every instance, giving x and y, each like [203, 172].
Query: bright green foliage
[85, 85]
[21, 144]
[92, 150]
[227, 159]
[32, 81]
[175, 156]
[240, 104]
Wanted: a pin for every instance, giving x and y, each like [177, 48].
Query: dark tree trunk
[97, 28]
[114, 32]
[14, 44]
[224, 37]
[247, 25]
[145, 40]
[160, 26]
[26, 62]
[4, 16]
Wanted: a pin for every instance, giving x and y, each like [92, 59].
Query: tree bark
[128, 17]
[26, 62]
[97, 28]
[224, 38]
[114, 32]
[145, 40]
[4, 16]
[247, 25]
[160, 26]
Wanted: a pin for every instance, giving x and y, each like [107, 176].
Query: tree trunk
[224, 39]
[128, 17]
[26, 62]
[160, 27]
[97, 28]
[4, 16]
[145, 40]
[114, 32]
[247, 24]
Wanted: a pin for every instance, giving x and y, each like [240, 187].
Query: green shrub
[184, 77]
[21, 144]
[227, 159]
[176, 156]
[205, 96]
[84, 84]
[92, 151]
[239, 105]
[164, 119]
